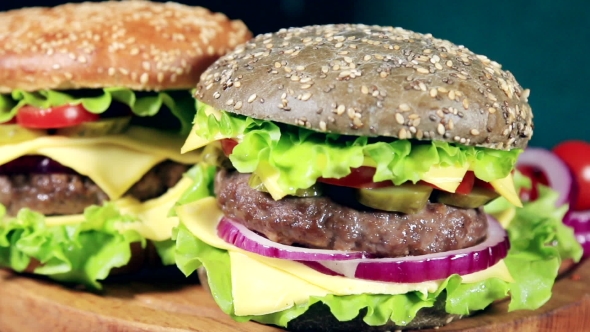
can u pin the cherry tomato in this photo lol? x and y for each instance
(537, 177)
(576, 155)
(54, 117)
(228, 145)
(360, 177)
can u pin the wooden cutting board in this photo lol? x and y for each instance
(30, 304)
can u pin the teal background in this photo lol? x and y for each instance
(545, 44)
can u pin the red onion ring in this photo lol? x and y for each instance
(556, 171)
(240, 236)
(428, 267)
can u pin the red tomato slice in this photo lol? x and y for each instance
(576, 155)
(466, 184)
(11, 121)
(228, 145)
(360, 177)
(537, 177)
(54, 117)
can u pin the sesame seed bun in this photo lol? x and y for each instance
(372, 81)
(136, 44)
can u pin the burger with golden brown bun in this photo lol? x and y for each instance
(94, 107)
(348, 194)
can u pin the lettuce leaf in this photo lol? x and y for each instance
(81, 253)
(533, 261)
(181, 105)
(265, 146)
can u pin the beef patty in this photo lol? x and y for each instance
(64, 194)
(322, 223)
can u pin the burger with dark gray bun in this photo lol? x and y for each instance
(348, 193)
(95, 104)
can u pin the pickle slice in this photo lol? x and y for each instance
(478, 197)
(406, 198)
(13, 133)
(96, 128)
(316, 190)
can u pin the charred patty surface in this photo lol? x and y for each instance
(64, 194)
(320, 222)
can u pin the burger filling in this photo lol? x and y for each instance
(334, 220)
(45, 186)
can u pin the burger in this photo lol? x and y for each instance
(353, 164)
(94, 106)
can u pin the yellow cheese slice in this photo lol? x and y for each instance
(505, 187)
(447, 178)
(256, 296)
(153, 222)
(113, 162)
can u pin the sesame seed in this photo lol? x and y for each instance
(229, 102)
(440, 129)
(216, 95)
(367, 57)
(238, 105)
(449, 63)
(403, 133)
(399, 118)
(404, 107)
(364, 89)
(383, 74)
(433, 92)
(144, 78)
(306, 96)
(452, 94)
(252, 98)
(340, 110)
(238, 84)
(305, 86)
(277, 64)
(474, 132)
(323, 126)
(422, 70)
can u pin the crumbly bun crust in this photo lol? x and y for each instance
(372, 81)
(136, 44)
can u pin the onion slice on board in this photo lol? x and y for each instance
(237, 234)
(422, 268)
(556, 171)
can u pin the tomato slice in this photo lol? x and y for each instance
(54, 117)
(576, 155)
(228, 145)
(11, 121)
(360, 177)
(466, 184)
(537, 177)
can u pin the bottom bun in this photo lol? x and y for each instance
(319, 318)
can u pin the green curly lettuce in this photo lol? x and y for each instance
(181, 104)
(81, 253)
(265, 146)
(533, 262)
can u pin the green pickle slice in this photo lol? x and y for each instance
(13, 133)
(316, 190)
(96, 128)
(478, 197)
(406, 198)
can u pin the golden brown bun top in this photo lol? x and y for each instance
(136, 44)
(372, 81)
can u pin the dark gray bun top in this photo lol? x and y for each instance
(372, 81)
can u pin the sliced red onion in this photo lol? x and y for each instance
(427, 267)
(578, 220)
(556, 171)
(243, 238)
(584, 240)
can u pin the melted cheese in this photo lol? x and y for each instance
(292, 282)
(153, 221)
(447, 178)
(113, 162)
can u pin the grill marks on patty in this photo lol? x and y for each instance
(65, 194)
(319, 222)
